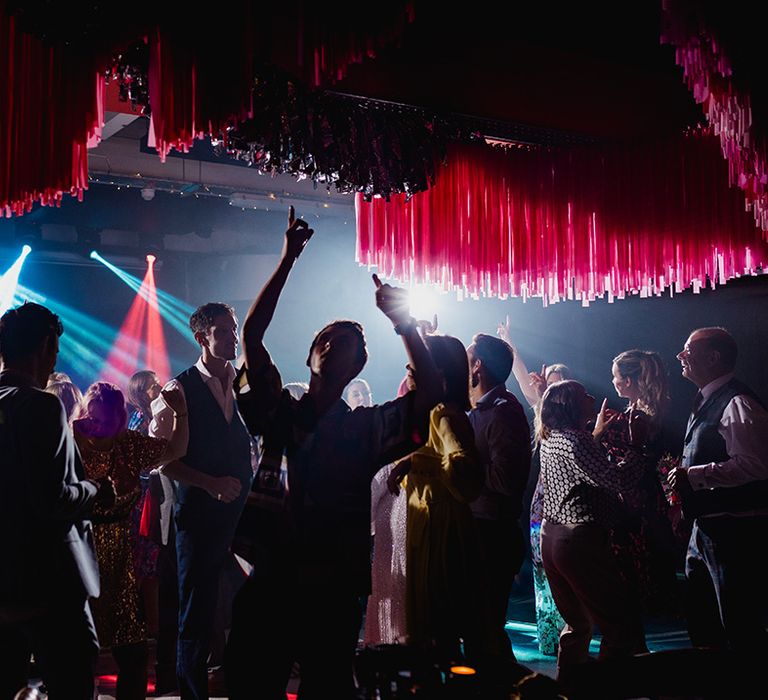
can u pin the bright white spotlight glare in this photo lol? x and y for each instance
(94, 255)
(26, 250)
(151, 258)
(423, 301)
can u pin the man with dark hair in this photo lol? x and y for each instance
(723, 483)
(303, 604)
(212, 482)
(48, 569)
(503, 441)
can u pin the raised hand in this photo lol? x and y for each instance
(427, 327)
(392, 301)
(604, 419)
(538, 381)
(297, 236)
(504, 333)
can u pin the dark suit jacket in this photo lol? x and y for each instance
(47, 553)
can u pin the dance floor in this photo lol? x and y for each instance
(661, 634)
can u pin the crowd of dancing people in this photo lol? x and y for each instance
(125, 508)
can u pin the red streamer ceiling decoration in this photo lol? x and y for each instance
(577, 223)
(200, 76)
(51, 106)
(200, 84)
(709, 75)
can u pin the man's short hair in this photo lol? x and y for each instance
(356, 328)
(204, 316)
(496, 355)
(24, 328)
(722, 342)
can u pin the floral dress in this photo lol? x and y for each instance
(642, 541)
(117, 611)
(549, 621)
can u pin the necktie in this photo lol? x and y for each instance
(697, 401)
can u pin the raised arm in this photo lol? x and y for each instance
(393, 303)
(519, 369)
(263, 308)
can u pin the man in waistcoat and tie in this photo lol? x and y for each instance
(212, 481)
(723, 484)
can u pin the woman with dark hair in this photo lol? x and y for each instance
(110, 451)
(143, 388)
(581, 488)
(443, 477)
(643, 538)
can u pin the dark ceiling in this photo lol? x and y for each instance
(596, 69)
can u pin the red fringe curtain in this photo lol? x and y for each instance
(200, 79)
(708, 73)
(198, 87)
(200, 83)
(580, 223)
(51, 105)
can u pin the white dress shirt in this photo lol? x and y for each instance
(744, 427)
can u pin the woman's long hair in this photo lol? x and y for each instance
(560, 408)
(68, 394)
(646, 369)
(450, 356)
(138, 386)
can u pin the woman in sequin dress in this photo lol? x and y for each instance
(385, 611)
(108, 449)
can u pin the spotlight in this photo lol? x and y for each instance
(26, 250)
(94, 255)
(151, 259)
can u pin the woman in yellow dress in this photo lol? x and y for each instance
(443, 477)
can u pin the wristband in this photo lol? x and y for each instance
(405, 326)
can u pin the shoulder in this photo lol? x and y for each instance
(507, 409)
(389, 410)
(746, 407)
(40, 404)
(506, 399)
(569, 441)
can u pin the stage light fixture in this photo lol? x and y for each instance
(151, 258)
